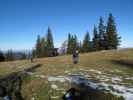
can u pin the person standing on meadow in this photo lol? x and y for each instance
(75, 57)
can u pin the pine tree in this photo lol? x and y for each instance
(44, 47)
(10, 55)
(69, 44)
(96, 45)
(23, 55)
(49, 38)
(50, 43)
(33, 53)
(112, 36)
(72, 43)
(75, 42)
(38, 47)
(101, 33)
(80, 46)
(86, 43)
(2, 57)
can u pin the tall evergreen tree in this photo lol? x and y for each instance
(86, 43)
(112, 36)
(49, 39)
(23, 55)
(44, 47)
(69, 44)
(80, 46)
(72, 43)
(33, 53)
(101, 33)
(75, 42)
(38, 47)
(96, 45)
(2, 57)
(10, 55)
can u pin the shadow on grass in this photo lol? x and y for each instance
(123, 63)
(10, 85)
(84, 89)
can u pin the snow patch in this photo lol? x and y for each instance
(96, 71)
(40, 76)
(54, 97)
(129, 78)
(53, 86)
(58, 78)
(116, 79)
(119, 90)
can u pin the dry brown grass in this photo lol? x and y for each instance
(62, 65)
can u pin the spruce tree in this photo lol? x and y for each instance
(96, 45)
(38, 47)
(50, 43)
(80, 46)
(33, 53)
(49, 39)
(72, 43)
(2, 57)
(44, 47)
(86, 43)
(10, 55)
(75, 42)
(23, 56)
(112, 36)
(69, 44)
(101, 33)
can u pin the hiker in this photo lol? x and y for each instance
(31, 59)
(75, 56)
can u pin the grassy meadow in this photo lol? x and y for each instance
(112, 69)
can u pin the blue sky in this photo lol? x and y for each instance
(22, 20)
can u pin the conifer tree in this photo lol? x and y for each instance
(10, 55)
(69, 44)
(23, 56)
(86, 43)
(101, 33)
(80, 46)
(112, 36)
(33, 53)
(49, 39)
(75, 42)
(72, 43)
(2, 57)
(44, 47)
(38, 47)
(96, 45)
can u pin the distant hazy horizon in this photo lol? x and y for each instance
(22, 20)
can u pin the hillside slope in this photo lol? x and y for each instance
(112, 70)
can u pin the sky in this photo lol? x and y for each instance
(22, 20)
